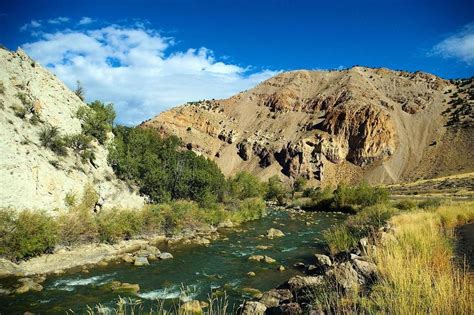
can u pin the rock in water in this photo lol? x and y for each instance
(322, 260)
(165, 255)
(274, 233)
(274, 297)
(141, 261)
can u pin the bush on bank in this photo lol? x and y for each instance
(30, 233)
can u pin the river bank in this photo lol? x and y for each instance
(221, 267)
(406, 266)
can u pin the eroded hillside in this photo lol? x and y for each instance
(33, 176)
(332, 126)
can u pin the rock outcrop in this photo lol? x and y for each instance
(333, 126)
(31, 175)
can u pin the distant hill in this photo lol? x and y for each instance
(380, 125)
(32, 175)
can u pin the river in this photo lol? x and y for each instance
(221, 266)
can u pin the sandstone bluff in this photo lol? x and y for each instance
(332, 126)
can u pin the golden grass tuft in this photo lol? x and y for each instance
(418, 272)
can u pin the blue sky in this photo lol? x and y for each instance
(146, 56)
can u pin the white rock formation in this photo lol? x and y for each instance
(32, 176)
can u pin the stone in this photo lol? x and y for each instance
(192, 307)
(263, 247)
(141, 261)
(165, 255)
(322, 260)
(7, 268)
(128, 258)
(226, 224)
(152, 257)
(124, 287)
(365, 268)
(268, 260)
(345, 276)
(299, 265)
(255, 293)
(253, 308)
(251, 274)
(299, 283)
(288, 309)
(274, 297)
(28, 284)
(256, 257)
(274, 233)
(281, 268)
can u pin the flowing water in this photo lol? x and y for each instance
(222, 266)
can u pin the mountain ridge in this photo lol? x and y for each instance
(381, 125)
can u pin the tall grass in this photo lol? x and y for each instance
(417, 271)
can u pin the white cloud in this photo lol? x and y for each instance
(85, 20)
(58, 20)
(459, 45)
(31, 24)
(134, 68)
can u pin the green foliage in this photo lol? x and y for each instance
(429, 204)
(50, 138)
(81, 144)
(245, 185)
(162, 171)
(70, 199)
(405, 204)
(275, 189)
(115, 225)
(79, 91)
(97, 119)
(299, 184)
(26, 102)
(31, 233)
(2, 88)
(361, 195)
(343, 237)
(339, 238)
(321, 198)
(19, 111)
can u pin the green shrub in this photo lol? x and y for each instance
(249, 209)
(245, 185)
(70, 199)
(31, 234)
(339, 238)
(81, 144)
(2, 88)
(77, 226)
(19, 111)
(406, 204)
(430, 204)
(115, 225)
(275, 189)
(79, 91)
(50, 138)
(358, 196)
(96, 119)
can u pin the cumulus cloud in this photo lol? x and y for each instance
(459, 45)
(85, 20)
(139, 70)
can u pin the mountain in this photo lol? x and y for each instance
(33, 176)
(380, 125)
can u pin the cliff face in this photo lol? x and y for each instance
(31, 175)
(332, 126)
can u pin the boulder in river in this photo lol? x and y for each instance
(128, 258)
(268, 260)
(256, 257)
(274, 233)
(124, 287)
(28, 284)
(255, 293)
(226, 224)
(253, 308)
(251, 274)
(165, 255)
(141, 261)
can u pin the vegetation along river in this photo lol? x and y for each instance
(221, 266)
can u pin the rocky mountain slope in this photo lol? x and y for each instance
(31, 175)
(333, 126)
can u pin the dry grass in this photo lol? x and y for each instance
(418, 273)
